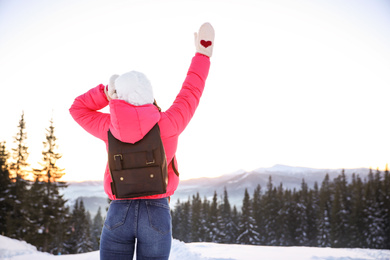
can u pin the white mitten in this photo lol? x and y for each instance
(110, 91)
(204, 40)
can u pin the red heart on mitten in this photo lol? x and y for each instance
(205, 43)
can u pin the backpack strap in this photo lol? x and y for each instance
(174, 166)
(118, 161)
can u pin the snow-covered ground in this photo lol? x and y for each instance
(17, 250)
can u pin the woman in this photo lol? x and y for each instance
(142, 221)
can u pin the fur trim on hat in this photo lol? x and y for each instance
(134, 88)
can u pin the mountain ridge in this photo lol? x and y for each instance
(235, 183)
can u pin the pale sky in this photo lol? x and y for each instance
(302, 83)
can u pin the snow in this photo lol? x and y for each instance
(221, 251)
(244, 175)
(18, 250)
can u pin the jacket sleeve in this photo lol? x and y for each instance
(186, 102)
(84, 111)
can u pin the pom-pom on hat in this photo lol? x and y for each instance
(134, 88)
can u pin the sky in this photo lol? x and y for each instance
(301, 83)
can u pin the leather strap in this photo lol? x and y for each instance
(118, 162)
(174, 167)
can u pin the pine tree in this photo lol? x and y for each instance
(205, 220)
(230, 228)
(17, 219)
(270, 206)
(196, 220)
(176, 215)
(341, 212)
(96, 230)
(283, 208)
(292, 218)
(374, 233)
(80, 239)
(181, 221)
(50, 172)
(48, 194)
(386, 206)
(5, 185)
(302, 203)
(258, 212)
(324, 214)
(357, 213)
(312, 214)
(185, 225)
(215, 232)
(247, 227)
(36, 231)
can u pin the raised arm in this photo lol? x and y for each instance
(186, 102)
(84, 111)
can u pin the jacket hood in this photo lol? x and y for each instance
(131, 123)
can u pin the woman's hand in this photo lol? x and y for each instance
(204, 40)
(109, 90)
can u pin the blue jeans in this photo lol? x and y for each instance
(145, 223)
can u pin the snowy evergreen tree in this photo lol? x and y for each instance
(312, 214)
(230, 228)
(181, 221)
(341, 212)
(176, 215)
(324, 214)
(386, 206)
(258, 213)
(205, 223)
(374, 221)
(17, 219)
(357, 223)
(289, 226)
(270, 206)
(301, 207)
(196, 219)
(214, 229)
(36, 232)
(247, 227)
(96, 230)
(47, 199)
(79, 240)
(5, 185)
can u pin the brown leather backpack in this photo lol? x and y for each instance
(138, 169)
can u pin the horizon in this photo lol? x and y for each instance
(242, 171)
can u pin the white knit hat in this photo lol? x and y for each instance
(134, 88)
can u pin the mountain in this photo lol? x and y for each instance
(235, 183)
(91, 192)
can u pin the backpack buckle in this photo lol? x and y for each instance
(147, 163)
(150, 158)
(118, 155)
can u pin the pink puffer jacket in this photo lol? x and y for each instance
(130, 123)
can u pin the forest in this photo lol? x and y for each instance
(33, 210)
(339, 213)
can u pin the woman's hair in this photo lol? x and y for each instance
(155, 103)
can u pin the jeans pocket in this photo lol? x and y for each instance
(116, 215)
(159, 216)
